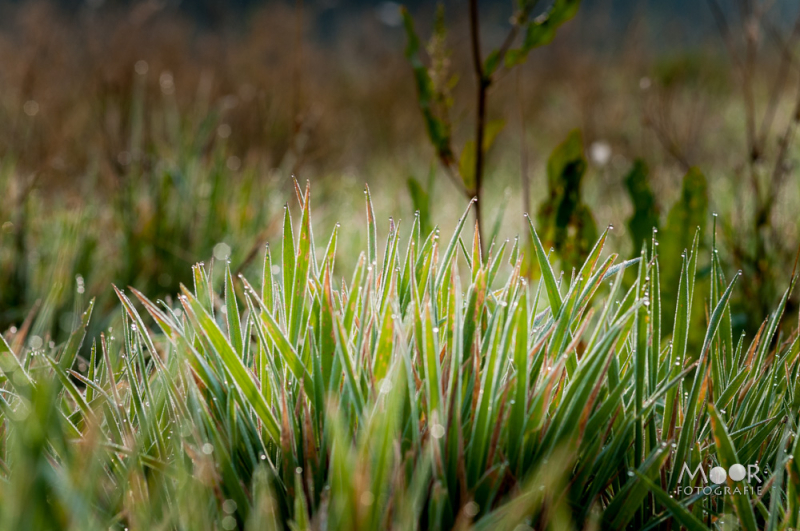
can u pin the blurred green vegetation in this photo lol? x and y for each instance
(134, 143)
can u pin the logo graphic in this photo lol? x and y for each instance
(738, 479)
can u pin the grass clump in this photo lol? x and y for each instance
(437, 389)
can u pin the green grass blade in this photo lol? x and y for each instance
(233, 364)
(726, 453)
(550, 284)
(232, 314)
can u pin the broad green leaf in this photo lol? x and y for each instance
(542, 30)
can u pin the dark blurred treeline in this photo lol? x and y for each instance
(666, 24)
(690, 18)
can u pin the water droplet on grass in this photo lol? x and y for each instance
(437, 431)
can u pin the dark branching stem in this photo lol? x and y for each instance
(480, 120)
(765, 191)
(483, 80)
(523, 151)
(787, 59)
(745, 70)
(781, 167)
(518, 20)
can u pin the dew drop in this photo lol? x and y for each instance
(437, 431)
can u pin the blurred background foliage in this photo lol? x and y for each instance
(139, 137)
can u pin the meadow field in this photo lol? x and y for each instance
(255, 272)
